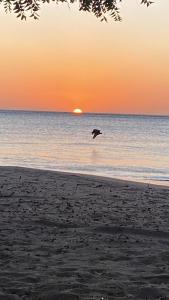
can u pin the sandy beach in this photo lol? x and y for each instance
(68, 237)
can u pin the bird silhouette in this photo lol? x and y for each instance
(96, 132)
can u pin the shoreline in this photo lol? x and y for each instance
(68, 236)
(93, 177)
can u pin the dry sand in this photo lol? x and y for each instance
(69, 237)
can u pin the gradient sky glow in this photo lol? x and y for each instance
(69, 59)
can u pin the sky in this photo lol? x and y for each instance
(70, 59)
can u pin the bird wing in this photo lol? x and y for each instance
(95, 134)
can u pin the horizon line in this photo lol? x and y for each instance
(83, 113)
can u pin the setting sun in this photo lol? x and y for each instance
(77, 111)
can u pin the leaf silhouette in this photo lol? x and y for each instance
(100, 8)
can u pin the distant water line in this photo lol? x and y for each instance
(131, 147)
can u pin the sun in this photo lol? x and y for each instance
(77, 111)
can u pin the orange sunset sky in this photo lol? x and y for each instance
(70, 59)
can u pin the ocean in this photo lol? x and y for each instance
(132, 147)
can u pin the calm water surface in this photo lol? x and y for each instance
(131, 147)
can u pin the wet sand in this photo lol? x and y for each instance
(68, 237)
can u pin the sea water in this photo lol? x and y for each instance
(132, 147)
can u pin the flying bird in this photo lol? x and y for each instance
(96, 132)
